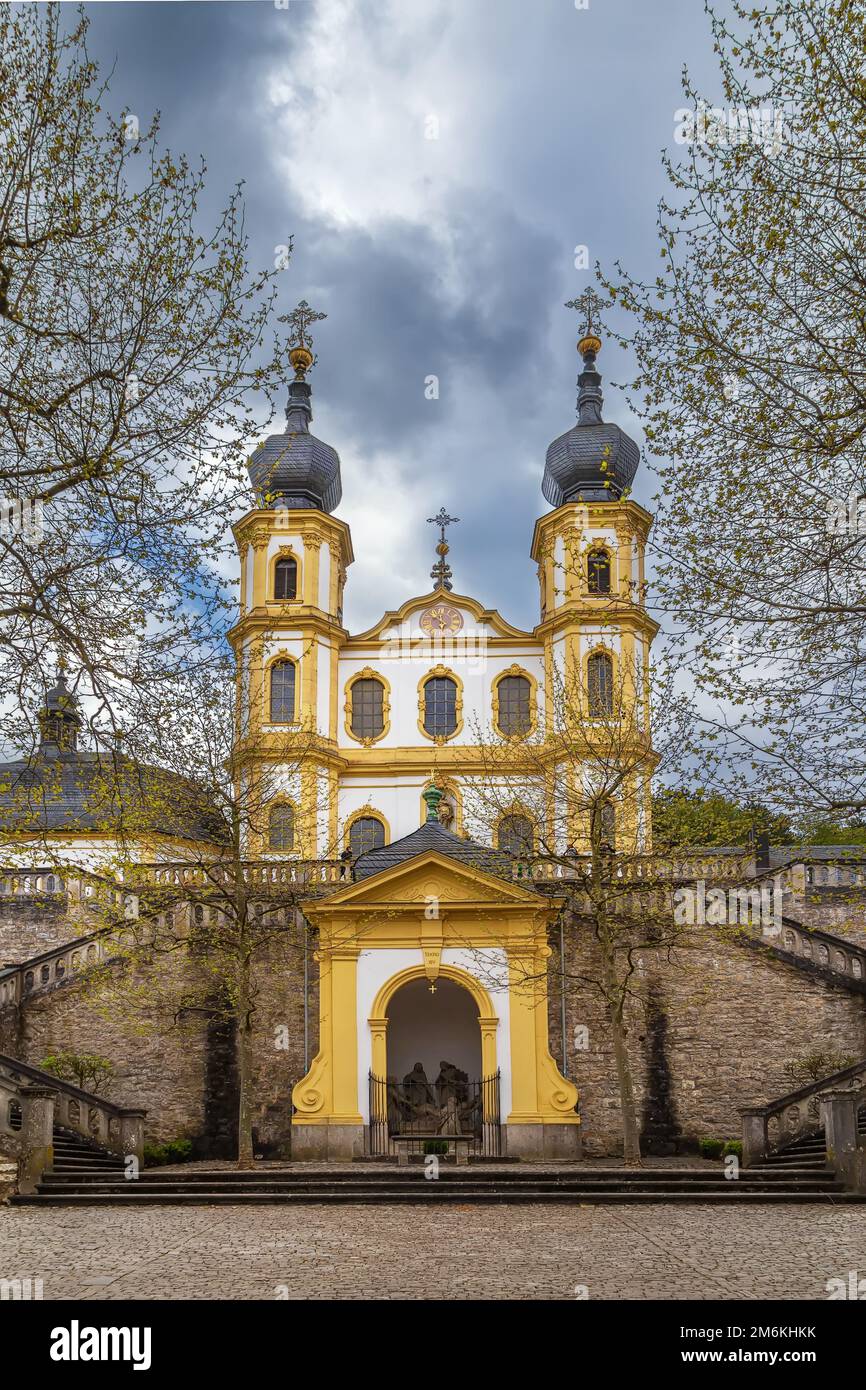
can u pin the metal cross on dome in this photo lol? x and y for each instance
(590, 305)
(300, 319)
(441, 571)
(442, 520)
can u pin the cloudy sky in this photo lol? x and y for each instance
(448, 256)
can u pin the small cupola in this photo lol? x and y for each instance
(59, 720)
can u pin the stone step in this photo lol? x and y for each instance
(130, 1191)
(748, 1177)
(433, 1193)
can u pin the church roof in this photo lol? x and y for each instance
(62, 788)
(594, 461)
(433, 836)
(295, 469)
(76, 791)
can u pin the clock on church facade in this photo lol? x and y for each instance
(441, 618)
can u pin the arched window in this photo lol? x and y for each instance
(600, 682)
(514, 835)
(281, 826)
(440, 706)
(368, 708)
(513, 697)
(286, 578)
(598, 571)
(283, 692)
(366, 833)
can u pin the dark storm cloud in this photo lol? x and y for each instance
(459, 259)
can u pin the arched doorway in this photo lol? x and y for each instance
(432, 1025)
(434, 1073)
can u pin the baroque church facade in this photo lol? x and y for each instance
(445, 986)
(393, 717)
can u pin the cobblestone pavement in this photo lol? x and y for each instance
(474, 1252)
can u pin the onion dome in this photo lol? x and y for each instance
(593, 461)
(295, 469)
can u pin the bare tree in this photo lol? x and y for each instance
(751, 384)
(570, 801)
(135, 354)
(205, 874)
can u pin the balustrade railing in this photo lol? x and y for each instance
(768, 1128)
(824, 951)
(646, 869)
(113, 1127)
(54, 967)
(265, 873)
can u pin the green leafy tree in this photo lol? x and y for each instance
(86, 1069)
(751, 385)
(682, 817)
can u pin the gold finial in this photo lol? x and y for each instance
(441, 571)
(301, 356)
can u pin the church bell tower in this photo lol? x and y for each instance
(294, 555)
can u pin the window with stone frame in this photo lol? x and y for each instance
(598, 572)
(283, 692)
(368, 708)
(366, 833)
(281, 826)
(608, 824)
(600, 683)
(286, 578)
(514, 836)
(514, 705)
(440, 706)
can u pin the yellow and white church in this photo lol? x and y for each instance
(433, 1012)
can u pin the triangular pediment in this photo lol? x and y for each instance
(431, 874)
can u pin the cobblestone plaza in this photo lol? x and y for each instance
(405, 1252)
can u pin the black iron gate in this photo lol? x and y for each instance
(416, 1110)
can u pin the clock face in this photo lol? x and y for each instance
(441, 618)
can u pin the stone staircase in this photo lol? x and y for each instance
(807, 1152)
(477, 1184)
(74, 1155)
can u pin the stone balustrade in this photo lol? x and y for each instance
(648, 869)
(845, 1139)
(75, 885)
(768, 1128)
(266, 873)
(840, 874)
(54, 967)
(824, 951)
(32, 1102)
(32, 882)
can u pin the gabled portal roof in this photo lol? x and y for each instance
(433, 836)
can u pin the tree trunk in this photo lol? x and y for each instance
(616, 999)
(245, 1067)
(630, 1135)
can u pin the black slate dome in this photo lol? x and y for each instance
(295, 469)
(593, 461)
